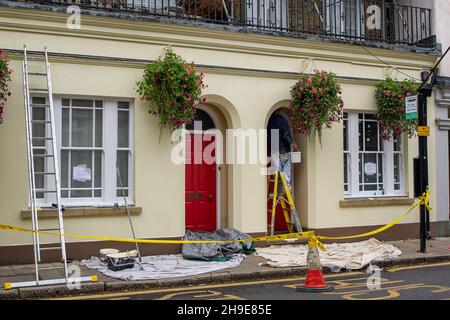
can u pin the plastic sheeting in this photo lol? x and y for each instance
(349, 256)
(216, 251)
(162, 267)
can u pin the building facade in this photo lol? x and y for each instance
(251, 53)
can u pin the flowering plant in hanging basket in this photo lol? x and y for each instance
(5, 77)
(316, 103)
(390, 97)
(173, 88)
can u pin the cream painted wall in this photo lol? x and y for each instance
(245, 97)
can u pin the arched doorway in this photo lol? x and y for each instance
(201, 174)
(277, 120)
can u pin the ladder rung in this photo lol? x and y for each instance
(42, 138)
(37, 74)
(43, 155)
(45, 191)
(44, 173)
(36, 58)
(38, 90)
(50, 229)
(51, 268)
(50, 248)
(41, 121)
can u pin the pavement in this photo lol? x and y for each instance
(250, 269)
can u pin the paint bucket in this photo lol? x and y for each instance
(121, 261)
(296, 157)
(104, 255)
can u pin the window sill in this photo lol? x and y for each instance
(375, 202)
(76, 212)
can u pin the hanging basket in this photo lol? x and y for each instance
(390, 97)
(5, 77)
(316, 103)
(173, 89)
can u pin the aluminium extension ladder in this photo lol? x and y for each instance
(281, 194)
(50, 173)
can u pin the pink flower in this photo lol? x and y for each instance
(309, 79)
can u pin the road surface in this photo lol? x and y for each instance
(424, 282)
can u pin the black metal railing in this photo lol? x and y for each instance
(359, 20)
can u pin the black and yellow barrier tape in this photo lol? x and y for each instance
(314, 240)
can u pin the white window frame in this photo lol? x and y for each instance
(335, 17)
(387, 159)
(110, 183)
(260, 13)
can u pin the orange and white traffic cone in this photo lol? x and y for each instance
(315, 281)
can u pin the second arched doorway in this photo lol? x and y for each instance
(279, 120)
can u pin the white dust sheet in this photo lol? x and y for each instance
(161, 267)
(349, 256)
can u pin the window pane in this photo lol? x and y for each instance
(346, 163)
(370, 187)
(39, 166)
(361, 168)
(123, 129)
(380, 171)
(65, 127)
(82, 128)
(361, 135)
(66, 102)
(82, 103)
(82, 159)
(124, 105)
(38, 100)
(397, 143)
(64, 169)
(370, 168)
(98, 128)
(39, 128)
(371, 136)
(396, 168)
(98, 169)
(81, 194)
(122, 163)
(98, 103)
(345, 133)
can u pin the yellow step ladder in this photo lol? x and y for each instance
(282, 194)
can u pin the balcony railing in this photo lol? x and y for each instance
(358, 20)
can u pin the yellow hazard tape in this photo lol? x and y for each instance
(77, 236)
(315, 242)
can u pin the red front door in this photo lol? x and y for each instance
(200, 201)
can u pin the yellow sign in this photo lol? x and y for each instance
(424, 131)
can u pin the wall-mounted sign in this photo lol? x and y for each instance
(423, 131)
(81, 173)
(370, 169)
(411, 107)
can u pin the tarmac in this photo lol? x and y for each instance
(438, 251)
